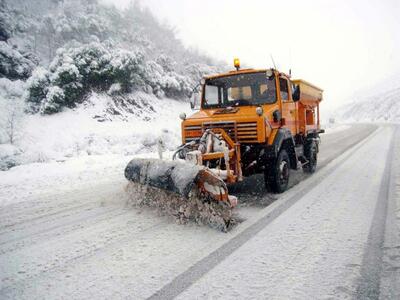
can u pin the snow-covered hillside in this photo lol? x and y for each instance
(379, 104)
(125, 125)
(79, 77)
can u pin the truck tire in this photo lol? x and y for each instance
(268, 175)
(311, 154)
(277, 173)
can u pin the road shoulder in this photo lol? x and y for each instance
(390, 276)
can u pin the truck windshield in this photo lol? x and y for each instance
(236, 90)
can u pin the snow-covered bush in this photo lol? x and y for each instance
(86, 63)
(114, 89)
(167, 83)
(176, 86)
(54, 101)
(37, 86)
(13, 63)
(8, 156)
(196, 71)
(127, 69)
(78, 70)
(4, 33)
(167, 63)
(12, 89)
(5, 30)
(154, 76)
(67, 87)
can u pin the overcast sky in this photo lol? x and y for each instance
(341, 46)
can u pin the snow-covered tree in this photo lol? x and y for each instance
(37, 87)
(128, 69)
(13, 114)
(48, 31)
(79, 70)
(15, 64)
(12, 108)
(5, 30)
(87, 46)
(54, 101)
(166, 62)
(47, 25)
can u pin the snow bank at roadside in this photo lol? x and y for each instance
(103, 125)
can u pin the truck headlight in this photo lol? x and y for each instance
(259, 111)
(182, 116)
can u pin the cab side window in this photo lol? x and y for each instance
(284, 89)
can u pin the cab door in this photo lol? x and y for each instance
(288, 106)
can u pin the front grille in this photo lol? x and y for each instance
(243, 132)
(229, 127)
(247, 132)
(192, 132)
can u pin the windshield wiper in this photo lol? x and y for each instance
(241, 102)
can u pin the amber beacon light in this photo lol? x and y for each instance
(236, 63)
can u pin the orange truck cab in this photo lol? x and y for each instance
(268, 122)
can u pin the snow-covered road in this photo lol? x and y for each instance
(66, 232)
(319, 248)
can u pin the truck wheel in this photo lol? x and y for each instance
(268, 175)
(277, 174)
(311, 156)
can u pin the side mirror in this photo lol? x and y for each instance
(195, 101)
(270, 74)
(277, 116)
(296, 93)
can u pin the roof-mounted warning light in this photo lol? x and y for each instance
(236, 63)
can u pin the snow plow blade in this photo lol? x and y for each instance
(181, 189)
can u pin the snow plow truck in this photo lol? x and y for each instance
(249, 121)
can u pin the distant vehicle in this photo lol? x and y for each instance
(249, 121)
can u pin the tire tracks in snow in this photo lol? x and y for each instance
(110, 243)
(113, 236)
(70, 218)
(371, 268)
(328, 147)
(40, 208)
(390, 273)
(54, 217)
(67, 226)
(200, 268)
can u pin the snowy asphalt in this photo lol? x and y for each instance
(316, 249)
(71, 235)
(194, 273)
(371, 268)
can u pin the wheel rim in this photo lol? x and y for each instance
(283, 172)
